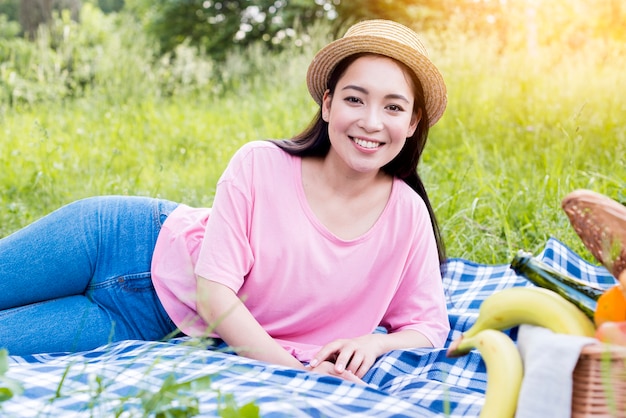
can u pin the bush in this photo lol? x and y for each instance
(9, 8)
(8, 28)
(106, 55)
(59, 64)
(109, 57)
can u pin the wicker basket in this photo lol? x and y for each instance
(599, 388)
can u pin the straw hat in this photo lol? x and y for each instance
(387, 38)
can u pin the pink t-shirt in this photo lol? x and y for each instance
(304, 285)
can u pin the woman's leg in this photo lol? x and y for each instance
(80, 277)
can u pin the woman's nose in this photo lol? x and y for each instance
(371, 121)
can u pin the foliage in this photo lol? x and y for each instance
(176, 396)
(219, 29)
(59, 64)
(110, 6)
(8, 29)
(218, 26)
(110, 57)
(569, 20)
(230, 409)
(173, 399)
(419, 14)
(107, 55)
(8, 387)
(9, 8)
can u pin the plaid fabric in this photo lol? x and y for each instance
(136, 378)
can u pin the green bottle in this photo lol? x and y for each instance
(581, 294)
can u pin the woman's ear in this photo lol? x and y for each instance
(326, 100)
(415, 120)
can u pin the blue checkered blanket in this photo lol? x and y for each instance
(137, 378)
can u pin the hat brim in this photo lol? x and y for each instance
(328, 57)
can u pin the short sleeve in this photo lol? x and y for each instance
(225, 255)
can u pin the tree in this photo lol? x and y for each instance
(109, 6)
(413, 13)
(219, 25)
(73, 6)
(34, 13)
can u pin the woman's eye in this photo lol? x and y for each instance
(395, 108)
(352, 99)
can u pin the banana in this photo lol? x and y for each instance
(506, 309)
(529, 305)
(504, 371)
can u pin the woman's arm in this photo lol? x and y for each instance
(220, 307)
(357, 355)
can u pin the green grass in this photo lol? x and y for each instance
(520, 132)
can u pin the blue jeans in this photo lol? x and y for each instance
(80, 277)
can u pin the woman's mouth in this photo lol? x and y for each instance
(364, 143)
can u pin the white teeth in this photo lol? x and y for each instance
(366, 144)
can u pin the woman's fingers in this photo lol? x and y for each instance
(328, 368)
(366, 364)
(348, 355)
(327, 352)
(356, 362)
(344, 358)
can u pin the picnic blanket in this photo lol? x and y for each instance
(184, 377)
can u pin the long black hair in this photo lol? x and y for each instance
(315, 142)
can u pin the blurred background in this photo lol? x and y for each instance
(72, 32)
(153, 97)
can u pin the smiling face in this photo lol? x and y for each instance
(370, 114)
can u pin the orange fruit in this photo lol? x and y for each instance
(611, 306)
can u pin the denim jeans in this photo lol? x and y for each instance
(80, 277)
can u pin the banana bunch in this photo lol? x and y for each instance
(503, 310)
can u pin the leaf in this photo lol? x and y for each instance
(9, 388)
(4, 361)
(5, 394)
(187, 405)
(250, 410)
(231, 410)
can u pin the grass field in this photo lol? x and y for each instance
(520, 132)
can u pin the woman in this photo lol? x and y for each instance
(311, 243)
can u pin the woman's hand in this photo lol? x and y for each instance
(328, 368)
(355, 356)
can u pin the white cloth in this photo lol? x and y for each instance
(549, 361)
